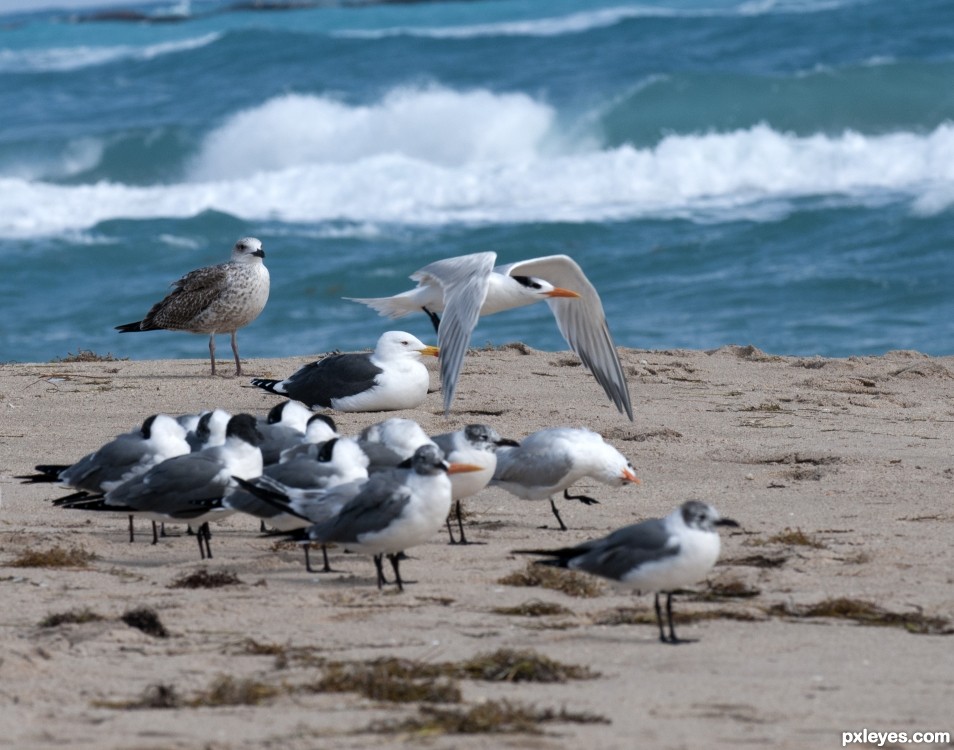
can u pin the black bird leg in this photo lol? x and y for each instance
(132, 534)
(662, 631)
(397, 573)
(324, 553)
(585, 499)
(460, 526)
(672, 639)
(204, 534)
(155, 533)
(557, 514)
(379, 565)
(435, 319)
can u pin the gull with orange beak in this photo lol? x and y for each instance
(468, 286)
(551, 460)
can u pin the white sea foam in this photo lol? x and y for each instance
(63, 59)
(583, 21)
(433, 125)
(431, 156)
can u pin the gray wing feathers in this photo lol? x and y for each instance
(582, 322)
(625, 550)
(381, 500)
(464, 280)
(173, 484)
(530, 469)
(111, 463)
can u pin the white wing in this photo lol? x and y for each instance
(581, 321)
(464, 280)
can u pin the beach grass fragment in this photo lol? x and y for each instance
(86, 355)
(392, 680)
(521, 665)
(71, 617)
(55, 557)
(533, 608)
(866, 613)
(203, 579)
(487, 717)
(569, 582)
(146, 620)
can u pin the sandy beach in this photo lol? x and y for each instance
(830, 611)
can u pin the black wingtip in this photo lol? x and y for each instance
(130, 327)
(267, 384)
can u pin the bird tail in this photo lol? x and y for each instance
(81, 496)
(270, 385)
(389, 307)
(559, 558)
(270, 494)
(96, 502)
(130, 327)
(45, 473)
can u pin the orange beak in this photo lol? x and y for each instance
(463, 468)
(431, 350)
(628, 476)
(560, 292)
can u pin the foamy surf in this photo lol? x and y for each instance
(490, 158)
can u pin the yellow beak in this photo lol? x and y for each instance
(431, 350)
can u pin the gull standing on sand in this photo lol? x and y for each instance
(299, 485)
(126, 456)
(476, 444)
(551, 460)
(659, 555)
(190, 487)
(469, 286)
(393, 511)
(214, 299)
(390, 378)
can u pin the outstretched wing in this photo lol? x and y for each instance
(464, 280)
(581, 321)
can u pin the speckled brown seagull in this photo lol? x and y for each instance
(214, 299)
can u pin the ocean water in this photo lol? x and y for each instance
(769, 172)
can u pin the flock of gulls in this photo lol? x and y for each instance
(392, 486)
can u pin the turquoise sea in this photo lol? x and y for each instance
(769, 172)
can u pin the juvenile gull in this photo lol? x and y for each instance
(476, 444)
(659, 555)
(214, 299)
(468, 286)
(390, 378)
(551, 460)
